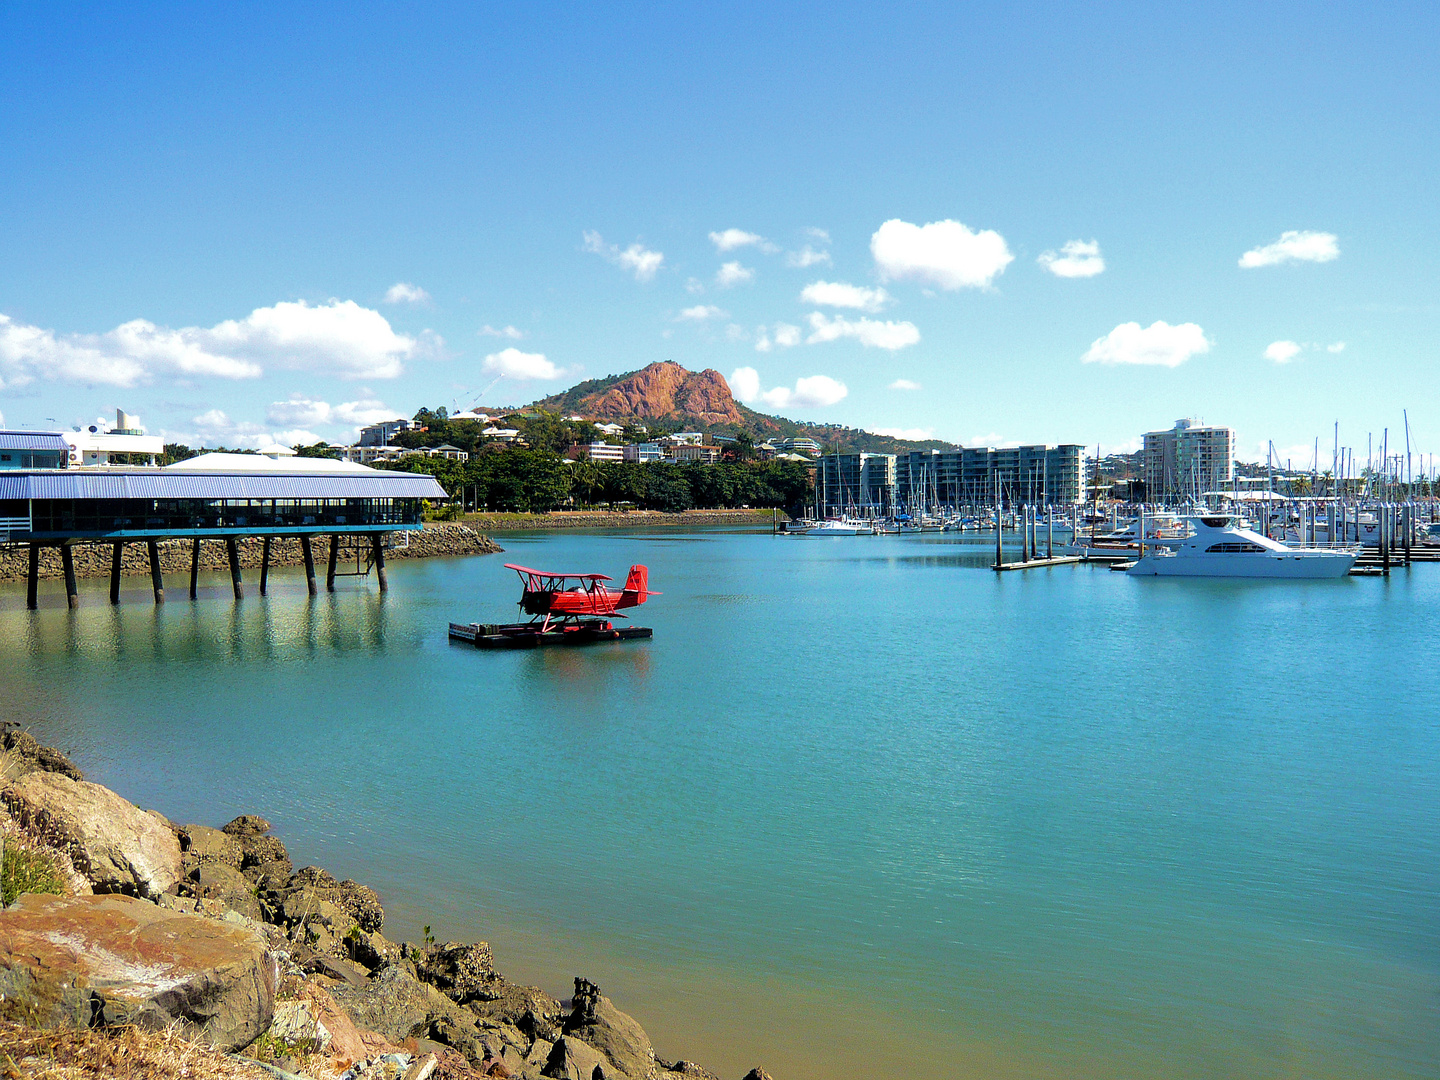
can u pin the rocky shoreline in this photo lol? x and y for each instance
(93, 560)
(126, 920)
(620, 519)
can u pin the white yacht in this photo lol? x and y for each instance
(841, 527)
(1219, 546)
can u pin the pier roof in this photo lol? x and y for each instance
(138, 483)
(33, 440)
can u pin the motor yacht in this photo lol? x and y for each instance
(1220, 546)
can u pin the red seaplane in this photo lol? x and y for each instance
(564, 609)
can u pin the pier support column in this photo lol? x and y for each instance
(116, 553)
(195, 569)
(72, 590)
(264, 564)
(156, 581)
(377, 546)
(309, 564)
(232, 548)
(32, 579)
(334, 556)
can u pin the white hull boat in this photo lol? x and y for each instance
(1218, 547)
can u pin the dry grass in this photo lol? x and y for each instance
(112, 1054)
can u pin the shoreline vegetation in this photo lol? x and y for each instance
(491, 521)
(146, 937)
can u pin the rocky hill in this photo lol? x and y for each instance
(667, 395)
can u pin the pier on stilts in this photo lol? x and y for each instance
(361, 512)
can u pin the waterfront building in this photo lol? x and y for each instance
(855, 483)
(707, 455)
(601, 451)
(1186, 460)
(124, 444)
(380, 434)
(1035, 474)
(33, 450)
(642, 452)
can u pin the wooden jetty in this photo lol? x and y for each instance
(1035, 564)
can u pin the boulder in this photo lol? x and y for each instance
(34, 756)
(757, 1074)
(247, 825)
(311, 884)
(115, 845)
(572, 1059)
(296, 1024)
(75, 961)
(348, 1043)
(398, 1006)
(463, 973)
(692, 1071)
(618, 1037)
(207, 845)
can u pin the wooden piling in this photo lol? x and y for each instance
(377, 545)
(232, 548)
(309, 564)
(264, 564)
(116, 552)
(156, 581)
(72, 590)
(32, 579)
(195, 569)
(334, 557)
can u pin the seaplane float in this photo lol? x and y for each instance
(564, 609)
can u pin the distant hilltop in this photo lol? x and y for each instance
(668, 395)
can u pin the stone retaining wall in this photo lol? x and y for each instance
(93, 560)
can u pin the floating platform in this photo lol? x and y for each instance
(1033, 564)
(530, 635)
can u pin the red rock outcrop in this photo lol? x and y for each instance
(666, 390)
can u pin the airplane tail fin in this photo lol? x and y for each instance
(637, 587)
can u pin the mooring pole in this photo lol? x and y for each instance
(195, 569)
(72, 591)
(334, 555)
(156, 581)
(1049, 532)
(115, 558)
(232, 548)
(999, 543)
(264, 564)
(309, 564)
(32, 579)
(377, 545)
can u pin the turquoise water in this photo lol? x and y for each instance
(861, 805)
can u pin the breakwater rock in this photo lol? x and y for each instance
(93, 559)
(211, 933)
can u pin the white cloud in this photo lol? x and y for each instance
(730, 239)
(871, 333)
(903, 384)
(694, 286)
(310, 412)
(994, 438)
(1159, 343)
(736, 332)
(1338, 347)
(818, 234)
(505, 331)
(732, 273)
(1077, 259)
(1294, 246)
(338, 338)
(811, 392)
(839, 294)
(943, 253)
(784, 335)
(807, 256)
(402, 292)
(1282, 352)
(215, 428)
(515, 364)
(700, 313)
(745, 383)
(914, 434)
(636, 258)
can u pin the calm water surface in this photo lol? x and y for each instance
(862, 806)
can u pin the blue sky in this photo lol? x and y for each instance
(205, 209)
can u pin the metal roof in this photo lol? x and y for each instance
(132, 483)
(34, 440)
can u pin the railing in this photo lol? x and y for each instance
(10, 525)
